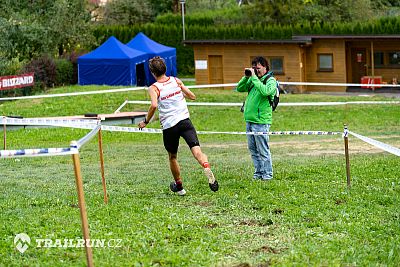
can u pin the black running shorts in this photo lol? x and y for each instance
(183, 128)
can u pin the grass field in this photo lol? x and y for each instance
(305, 216)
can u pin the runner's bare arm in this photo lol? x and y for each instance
(186, 92)
(153, 92)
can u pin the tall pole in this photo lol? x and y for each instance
(183, 18)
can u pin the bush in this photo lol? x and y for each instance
(65, 71)
(10, 67)
(73, 59)
(45, 72)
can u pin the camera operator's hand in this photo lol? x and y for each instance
(249, 72)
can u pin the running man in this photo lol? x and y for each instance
(168, 95)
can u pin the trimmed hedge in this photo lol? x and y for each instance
(204, 28)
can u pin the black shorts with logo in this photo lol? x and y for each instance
(172, 135)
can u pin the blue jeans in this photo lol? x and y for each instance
(259, 150)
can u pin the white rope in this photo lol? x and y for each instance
(74, 94)
(388, 148)
(194, 87)
(280, 104)
(342, 84)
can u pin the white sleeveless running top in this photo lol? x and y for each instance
(172, 106)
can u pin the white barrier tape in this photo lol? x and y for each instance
(43, 121)
(339, 103)
(152, 130)
(391, 149)
(38, 152)
(280, 104)
(194, 87)
(74, 94)
(342, 84)
(211, 85)
(302, 83)
(274, 133)
(345, 132)
(129, 129)
(88, 137)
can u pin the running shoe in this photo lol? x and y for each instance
(211, 179)
(174, 188)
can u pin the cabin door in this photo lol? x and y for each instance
(215, 70)
(358, 63)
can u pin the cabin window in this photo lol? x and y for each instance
(378, 58)
(325, 62)
(276, 64)
(394, 58)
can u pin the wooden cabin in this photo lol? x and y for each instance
(311, 58)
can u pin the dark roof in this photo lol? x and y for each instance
(249, 41)
(344, 36)
(297, 39)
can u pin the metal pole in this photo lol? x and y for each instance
(346, 152)
(82, 208)
(4, 136)
(103, 179)
(183, 18)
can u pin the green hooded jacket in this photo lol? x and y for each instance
(257, 108)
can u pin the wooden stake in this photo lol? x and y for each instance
(103, 179)
(82, 208)
(346, 152)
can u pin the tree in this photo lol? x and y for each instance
(314, 11)
(127, 12)
(31, 28)
(72, 25)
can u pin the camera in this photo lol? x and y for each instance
(247, 72)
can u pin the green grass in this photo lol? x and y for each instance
(305, 216)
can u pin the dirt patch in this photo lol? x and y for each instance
(268, 249)
(203, 204)
(319, 147)
(256, 222)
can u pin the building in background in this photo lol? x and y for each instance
(308, 58)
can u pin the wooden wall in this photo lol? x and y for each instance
(338, 75)
(300, 62)
(236, 58)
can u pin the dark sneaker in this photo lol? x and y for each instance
(174, 188)
(211, 179)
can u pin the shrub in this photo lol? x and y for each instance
(10, 67)
(45, 72)
(65, 71)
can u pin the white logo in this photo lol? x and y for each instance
(21, 241)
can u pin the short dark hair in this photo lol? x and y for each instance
(157, 66)
(263, 62)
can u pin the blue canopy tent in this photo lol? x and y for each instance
(112, 63)
(152, 48)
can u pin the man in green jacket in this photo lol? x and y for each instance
(258, 114)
